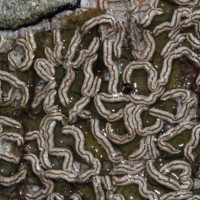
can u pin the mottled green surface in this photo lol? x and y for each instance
(181, 76)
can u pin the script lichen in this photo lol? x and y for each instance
(105, 107)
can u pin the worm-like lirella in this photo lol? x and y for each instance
(98, 188)
(74, 42)
(156, 89)
(6, 152)
(113, 155)
(10, 96)
(194, 197)
(70, 65)
(10, 137)
(91, 85)
(103, 111)
(184, 176)
(47, 183)
(172, 44)
(56, 196)
(141, 182)
(78, 108)
(191, 21)
(171, 133)
(195, 42)
(110, 189)
(159, 175)
(46, 146)
(150, 15)
(140, 153)
(86, 155)
(74, 196)
(175, 22)
(112, 67)
(14, 179)
(168, 62)
(46, 71)
(128, 123)
(44, 137)
(119, 39)
(7, 121)
(49, 102)
(186, 108)
(102, 19)
(162, 179)
(147, 145)
(152, 79)
(147, 100)
(79, 142)
(187, 2)
(18, 84)
(61, 174)
(192, 144)
(85, 53)
(55, 56)
(131, 169)
(183, 17)
(137, 122)
(182, 194)
(106, 69)
(149, 10)
(65, 86)
(29, 46)
(151, 146)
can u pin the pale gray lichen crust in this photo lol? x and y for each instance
(15, 13)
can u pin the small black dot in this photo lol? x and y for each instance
(127, 88)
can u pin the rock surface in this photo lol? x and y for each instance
(15, 13)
